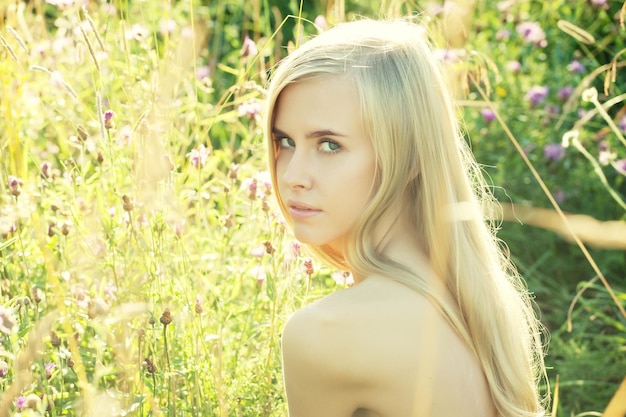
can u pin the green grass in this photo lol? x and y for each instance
(137, 278)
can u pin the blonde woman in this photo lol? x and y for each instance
(374, 177)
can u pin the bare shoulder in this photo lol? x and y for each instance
(382, 347)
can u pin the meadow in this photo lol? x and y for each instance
(144, 267)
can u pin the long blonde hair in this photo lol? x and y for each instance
(409, 116)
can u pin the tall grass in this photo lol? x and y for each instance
(145, 269)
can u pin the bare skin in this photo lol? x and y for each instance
(405, 361)
(378, 348)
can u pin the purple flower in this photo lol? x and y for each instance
(537, 94)
(599, 3)
(249, 49)
(576, 67)
(514, 66)
(14, 185)
(622, 123)
(198, 157)
(20, 403)
(620, 166)
(554, 152)
(203, 72)
(565, 93)
(532, 33)
(250, 109)
(4, 368)
(450, 55)
(108, 119)
(488, 115)
(49, 368)
(503, 34)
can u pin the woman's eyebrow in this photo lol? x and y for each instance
(311, 135)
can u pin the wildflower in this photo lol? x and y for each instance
(108, 119)
(565, 93)
(150, 366)
(233, 171)
(166, 317)
(342, 278)
(14, 185)
(620, 166)
(308, 266)
(621, 123)
(514, 66)
(128, 204)
(450, 56)
(65, 228)
(249, 48)
(258, 272)
(258, 251)
(503, 34)
(198, 157)
(203, 72)
(605, 157)
(250, 109)
(554, 152)
(321, 23)
(532, 33)
(488, 115)
(137, 32)
(252, 186)
(269, 249)
(167, 26)
(46, 170)
(198, 306)
(55, 340)
(20, 403)
(82, 133)
(7, 320)
(599, 3)
(124, 135)
(576, 67)
(537, 94)
(4, 368)
(49, 368)
(295, 248)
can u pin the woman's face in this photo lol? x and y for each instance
(325, 163)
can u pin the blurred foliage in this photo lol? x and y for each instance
(144, 269)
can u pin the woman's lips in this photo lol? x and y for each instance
(301, 211)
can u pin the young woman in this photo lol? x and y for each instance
(372, 174)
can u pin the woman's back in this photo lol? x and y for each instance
(380, 349)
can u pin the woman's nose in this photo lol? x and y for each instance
(296, 171)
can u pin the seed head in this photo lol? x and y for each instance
(150, 366)
(55, 340)
(269, 249)
(128, 203)
(166, 317)
(308, 266)
(82, 133)
(14, 185)
(198, 307)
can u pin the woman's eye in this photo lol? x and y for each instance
(330, 146)
(285, 142)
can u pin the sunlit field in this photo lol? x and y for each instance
(145, 269)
